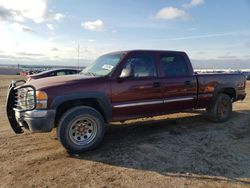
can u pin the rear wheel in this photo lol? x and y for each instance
(221, 109)
(81, 129)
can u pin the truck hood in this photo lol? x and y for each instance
(58, 80)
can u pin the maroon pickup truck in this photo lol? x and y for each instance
(117, 87)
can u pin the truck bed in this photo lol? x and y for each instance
(208, 84)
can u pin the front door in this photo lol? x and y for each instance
(138, 94)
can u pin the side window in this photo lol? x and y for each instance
(173, 65)
(60, 73)
(142, 66)
(72, 72)
(68, 72)
(52, 74)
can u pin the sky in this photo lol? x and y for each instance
(214, 33)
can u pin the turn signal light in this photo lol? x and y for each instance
(41, 95)
(41, 100)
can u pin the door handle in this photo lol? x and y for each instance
(188, 83)
(156, 84)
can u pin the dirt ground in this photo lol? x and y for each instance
(179, 150)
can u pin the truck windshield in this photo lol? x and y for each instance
(103, 65)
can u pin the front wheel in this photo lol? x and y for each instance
(220, 109)
(81, 129)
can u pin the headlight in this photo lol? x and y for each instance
(25, 98)
(41, 100)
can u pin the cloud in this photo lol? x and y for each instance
(227, 57)
(170, 13)
(192, 29)
(91, 40)
(30, 54)
(22, 58)
(34, 10)
(10, 15)
(211, 35)
(248, 44)
(2, 56)
(54, 49)
(28, 29)
(50, 27)
(58, 17)
(87, 40)
(97, 25)
(194, 3)
(4, 13)
(21, 28)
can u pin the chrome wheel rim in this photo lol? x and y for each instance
(82, 131)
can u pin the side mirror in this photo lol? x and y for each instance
(127, 73)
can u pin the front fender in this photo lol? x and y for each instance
(101, 98)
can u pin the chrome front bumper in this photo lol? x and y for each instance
(36, 120)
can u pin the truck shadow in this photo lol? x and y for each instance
(188, 147)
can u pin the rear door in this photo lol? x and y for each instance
(179, 85)
(139, 95)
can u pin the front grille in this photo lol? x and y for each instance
(25, 98)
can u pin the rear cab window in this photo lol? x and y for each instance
(173, 65)
(60, 73)
(69, 72)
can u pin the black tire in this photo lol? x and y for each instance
(76, 123)
(220, 109)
